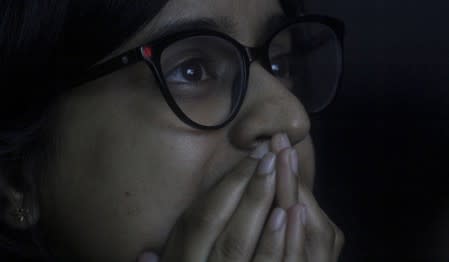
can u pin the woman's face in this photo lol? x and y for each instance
(125, 167)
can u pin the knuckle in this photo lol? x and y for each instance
(339, 238)
(327, 232)
(256, 193)
(239, 179)
(295, 255)
(268, 250)
(245, 168)
(290, 256)
(331, 236)
(197, 221)
(266, 254)
(231, 248)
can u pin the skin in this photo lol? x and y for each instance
(124, 168)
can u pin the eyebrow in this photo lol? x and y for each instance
(223, 24)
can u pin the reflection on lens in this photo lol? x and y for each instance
(306, 57)
(202, 74)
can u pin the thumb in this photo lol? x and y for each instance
(148, 257)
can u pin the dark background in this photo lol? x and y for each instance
(383, 146)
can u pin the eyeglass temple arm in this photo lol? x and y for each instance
(111, 65)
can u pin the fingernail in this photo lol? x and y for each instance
(148, 257)
(294, 161)
(281, 141)
(266, 166)
(260, 151)
(277, 219)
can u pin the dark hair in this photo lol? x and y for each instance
(44, 45)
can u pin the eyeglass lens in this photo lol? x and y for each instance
(204, 74)
(306, 57)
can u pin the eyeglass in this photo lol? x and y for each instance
(203, 75)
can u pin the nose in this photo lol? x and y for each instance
(269, 108)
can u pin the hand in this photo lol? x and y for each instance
(311, 235)
(227, 223)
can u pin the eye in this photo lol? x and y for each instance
(280, 65)
(190, 71)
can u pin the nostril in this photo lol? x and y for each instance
(260, 139)
(263, 138)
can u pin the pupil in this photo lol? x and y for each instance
(192, 72)
(280, 67)
(275, 68)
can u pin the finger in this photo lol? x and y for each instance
(239, 239)
(148, 257)
(286, 184)
(286, 190)
(198, 227)
(271, 245)
(296, 235)
(320, 231)
(339, 241)
(279, 142)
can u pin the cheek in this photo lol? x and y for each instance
(121, 190)
(152, 189)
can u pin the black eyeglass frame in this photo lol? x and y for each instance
(151, 53)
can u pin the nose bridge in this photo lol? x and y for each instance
(251, 53)
(277, 95)
(258, 54)
(269, 108)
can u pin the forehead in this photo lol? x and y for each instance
(247, 17)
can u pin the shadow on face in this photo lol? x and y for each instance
(125, 167)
